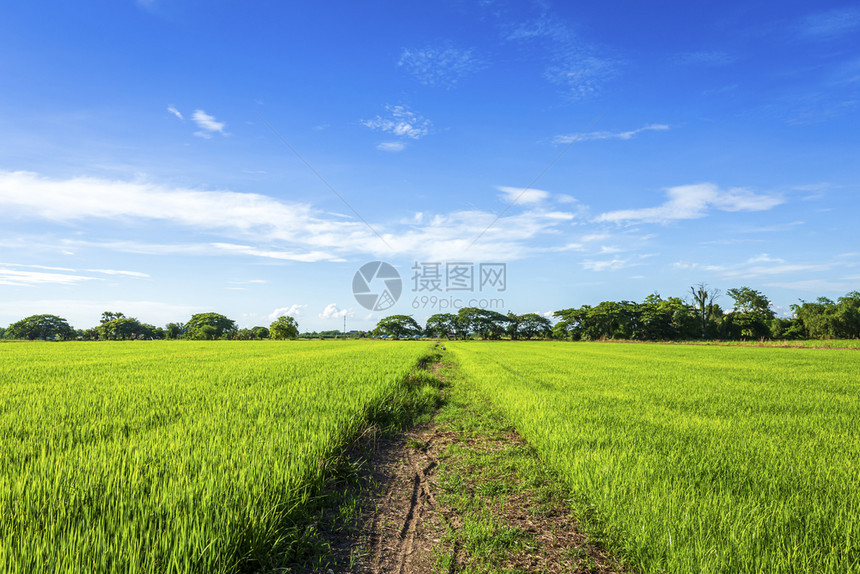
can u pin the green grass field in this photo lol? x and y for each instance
(205, 456)
(176, 456)
(689, 458)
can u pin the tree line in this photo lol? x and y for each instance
(749, 317)
(116, 326)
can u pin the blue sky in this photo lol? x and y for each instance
(166, 157)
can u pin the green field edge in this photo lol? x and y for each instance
(414, 399)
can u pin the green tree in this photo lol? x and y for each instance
(751, 315)
(572, 323)
(612, 320)
(284, 327)
(175, 330)
(483, 322)
(532, 325)
(111, 316)
(260, 332)
(41, 327)
(210, 326)
(118, 327)
(397, 326)
(827, 319)
(441, 325)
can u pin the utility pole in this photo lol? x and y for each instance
(344, 326)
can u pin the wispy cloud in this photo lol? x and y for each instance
(522, 195)
(136, 274)
(571, 61)
(175, 112)
(208, 124)
(606, 265)
(819, 286)
(765, 265)
(693, 202)
(262, 226)
(24, 275)
(607, 135)
(307, 257)
(441, 66)
(706, 58)
(832, 24)
(391, 146)
(400, 121)
(27, 278)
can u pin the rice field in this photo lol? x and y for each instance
(178, 456)
(693, 459)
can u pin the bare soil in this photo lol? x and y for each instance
(401, 523)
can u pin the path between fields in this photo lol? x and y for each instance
(406, 522)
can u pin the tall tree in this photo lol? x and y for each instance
(111, 316)
(704, 299)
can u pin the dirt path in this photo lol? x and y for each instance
(462, 492)
(409, 523)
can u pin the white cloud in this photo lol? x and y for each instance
(294, 310)
(609, 265)
(764, 258)
(310, 257)
(208, 124)
(21, 278)
(137, 274)
(522, 195)
(262, 226)
(595, 237)
(693, 202)
(443, 66)
(391, 146)
(400, 121)
(332, 311)
(605, 135)
(175, 112)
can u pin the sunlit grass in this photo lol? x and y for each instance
(694, 459)
(176, 456)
